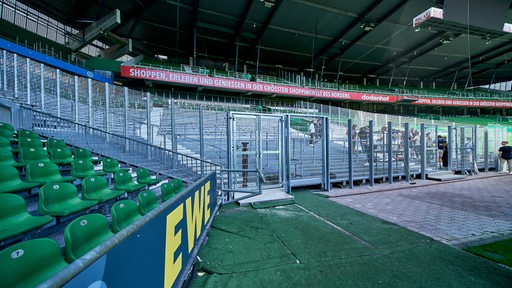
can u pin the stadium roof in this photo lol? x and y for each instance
(328, 39)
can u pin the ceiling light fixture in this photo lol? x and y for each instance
(268, 3)
(368, 26)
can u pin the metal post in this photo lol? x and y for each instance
(245, 164)
(125, 128)
(58, 91)
(287, 158)
(390, 152)
(42, 87)
(5, 70)
(423, 156)
(76, 99)
(450, 148)
(89, 100)
(230, 150)
(174, 137)
(486, 149)
(407, 149)
(324, 129)
(148, 119)
(350, 155)
(29, 100)
(107, 108)
(371, 147)
(15, 65)
(201, 138)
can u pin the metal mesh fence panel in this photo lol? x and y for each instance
(35, 84)
(116, 119)
(99, 103)
(50, 89)
(137, 119)
(21, 75)
(83, 101)
(67, 95)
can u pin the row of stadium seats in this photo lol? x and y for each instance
(71, 206)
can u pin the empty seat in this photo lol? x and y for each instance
(96, 188)
(7, 158)
(7, 134)
(83, 168)
(61, 156)
(28, 134)
(124, 213)
(147, 201)
(31, 262)
(45, 172)
(84, 154)
(29, 142)
(83, 234)
(178, 185)
(144, 177)
(53, 143)
(5, 143)
(7, 126)
(61, 199)
(167, 191)
(10, 181)
(124, 181)
(111, 165)
(33, 154)
(14, 217)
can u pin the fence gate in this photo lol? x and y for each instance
(255, 152)
(464, 149)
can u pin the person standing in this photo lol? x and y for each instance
(441, 147)
(312, 132)
(505, 155)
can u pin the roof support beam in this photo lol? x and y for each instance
(356, 22)
(239, 26)
(390, 12)
(96, 29)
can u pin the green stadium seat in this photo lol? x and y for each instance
(53, 143)
(29, 142)
(124, 181)
(124, 213)
(33, 154)
(45, 172)
(168, 191)
(28, 134)
(61, 199)
(7, 158)
(61, 156)
(84, 168)
(15, 219)
(5, 143)
(85, 154)
(147, 201)
(83, 234)
(7, 134)
(178, 185)
(7, 126)
(111, 165)
(31, 262)
(10, 181)
(144, 177)
(96, 188)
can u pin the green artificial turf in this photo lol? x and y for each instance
(319, 243)
(500, 251)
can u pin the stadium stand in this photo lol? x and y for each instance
(61, 199)
(29, 263)
(7, 158)
(124, 212)
(147, 201)
(83, 234)
(15, 219)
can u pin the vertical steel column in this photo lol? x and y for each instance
(350, 155)
(450, 148)
(107, 108)
(486, 149)
(407, 149)
(15, 65)
(89, 100)
(5, 70)
(423, 151)
(371, 159)
(42, 87)
(58, 91)
(76, 100)
(287, 159)
(174, 137)
(201, 138)
(326, 172)
(389, 137)
(125, 128)
(230, 149)
(29, 100)
(148, 116)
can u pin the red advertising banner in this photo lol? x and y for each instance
(243, 85)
